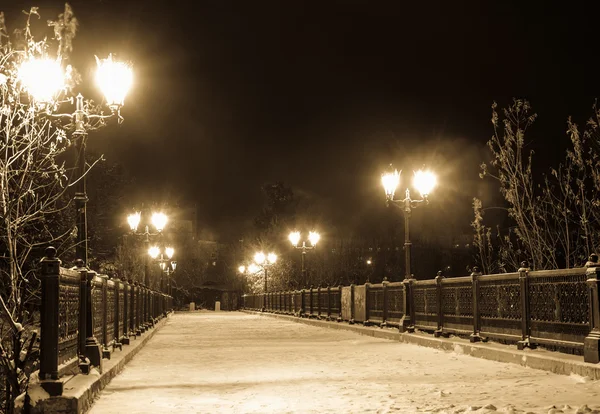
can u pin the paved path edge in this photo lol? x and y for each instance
(81, 390)
(563, 364)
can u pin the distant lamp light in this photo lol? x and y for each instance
(43, 78)
(159, 221)
(134, 220)
(314, 237)
(390, 181)
(162, 265)
(260, 258)
(154, 251)
(369, 262)
(424, 182)
(253, 268)
(114, 79)
(272, 258)
(242, 269)
(173, 265)
(169, 251)
(294, 238)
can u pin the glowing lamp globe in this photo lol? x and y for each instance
(169, 251)
(134, 220)
(390, 182)
(159, 220)
(43, 78)
(114, 79)
(314, 238)
(154, 251)
(272, 258)
(294, 238)
(260, 258)
(424, 182)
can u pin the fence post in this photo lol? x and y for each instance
(440, 315)
(117, 315)
(339, 318)
(105, 350)
(525, 310)
(351, 321)
(328, 302)
(408, 317)
(475, 337)
(126, 312)
(302, 302)
(84, 362)
(367, 304)
(50, 277)
(384, 283)
(93, 351)
(591, 343)
(135, 304)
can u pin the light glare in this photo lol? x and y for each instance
(314, 237)
(43, 78)
(154, 251)
(134, 220)
(390, 182)
(253, 268)
(159, 220)
(272, 257)
(260, 258)
(114, 79)
(424, 182)
(294, 238)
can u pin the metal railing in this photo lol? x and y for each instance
(559, 309)
(85, 316)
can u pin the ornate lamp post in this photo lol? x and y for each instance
(424, 182)
(44, 80)
(169, 271)
(159, 221)
(313, 238)
(164, 264)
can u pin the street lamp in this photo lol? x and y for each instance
(159, 221)
(44, 79)
(261, 262)
(164, 264)
(313, 238)
(424, 182)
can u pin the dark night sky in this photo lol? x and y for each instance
(323, 94)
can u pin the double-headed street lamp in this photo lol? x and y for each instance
(164, 263)
(424, 182)
(45, 81)
(261, 262)
(313, 237)
(159, 221)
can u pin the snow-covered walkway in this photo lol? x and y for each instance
(207, 362)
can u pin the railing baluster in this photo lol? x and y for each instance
(50, 278)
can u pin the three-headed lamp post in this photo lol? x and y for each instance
(313, 238)
(424, 182)
(45, 80)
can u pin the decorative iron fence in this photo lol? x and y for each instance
(85, 316)
(559, 309)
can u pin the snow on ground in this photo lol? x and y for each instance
(206, 362)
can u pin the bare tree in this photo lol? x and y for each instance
(34, 183)
(556, 217)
